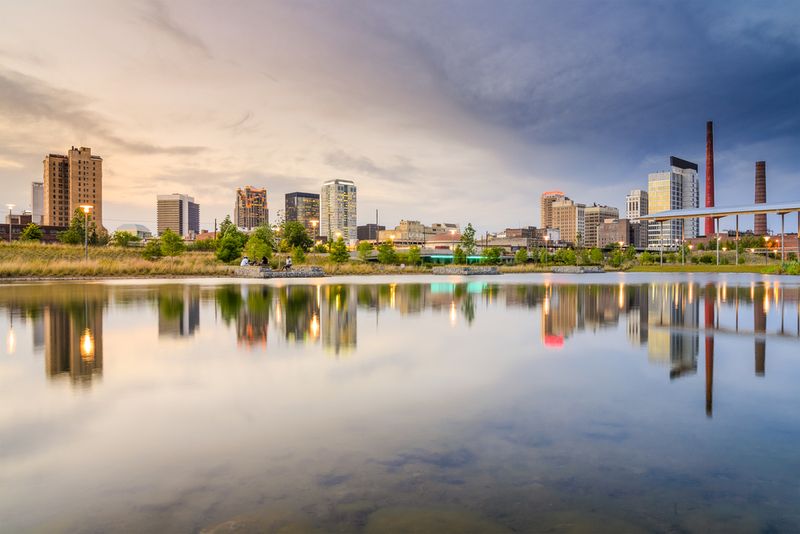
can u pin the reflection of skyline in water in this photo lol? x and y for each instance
(503, 399)
(67, 321)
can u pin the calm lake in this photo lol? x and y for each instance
(515, 403)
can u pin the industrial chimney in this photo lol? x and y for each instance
(709, 175)
(760, 226)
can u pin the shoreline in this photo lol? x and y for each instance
(392, 272)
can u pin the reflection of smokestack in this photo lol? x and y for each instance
(760, 326)
(761, 357)
(760, 227)
(709, 175)
(709, 326)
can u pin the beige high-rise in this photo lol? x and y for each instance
(568, 217)
(593, 216)
(69, 182)
(547, 200)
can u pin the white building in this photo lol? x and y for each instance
(636, 205)
(140, 231)
(337, 204)
(675, 189)
(37, 202)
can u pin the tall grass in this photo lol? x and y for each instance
(35, 260)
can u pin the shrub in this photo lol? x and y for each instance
(414, 257)
(646, 258)
(707, 259)
(298, 255)
(256, 248)
(339, 253)
(596, 256)
(492, 255)
(459, 256)
(387, 254)
(32, 232)
(365, 248)
(121, 238)
(152, 250)
(521, 256)
(172, 244)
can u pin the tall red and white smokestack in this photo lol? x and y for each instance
(709, 175)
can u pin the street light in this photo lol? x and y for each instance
(86, 208)
(10, 207)
(314, 226)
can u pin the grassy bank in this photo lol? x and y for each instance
(34, 260)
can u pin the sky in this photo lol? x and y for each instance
(440, 111)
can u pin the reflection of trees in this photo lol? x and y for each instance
(178, 310)
(229, 301)
(301, 313)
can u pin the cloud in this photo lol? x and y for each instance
(24, 99)
(158, 16)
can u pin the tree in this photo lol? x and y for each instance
(296, 236)
(616, 258)
(414, 256)
(596, 256)
(387, 254)
(229, 247)
(225, 225)
(491, 255)
(32, 232)
(75, 234)
(231, 241)
(339, 253)
(645, 258)
(256, 248)
(152, 249)
(459, 256)
(468, 240)
(521, 256)
(121, 238)
(171, 243)
(364, 248)
(630, 253)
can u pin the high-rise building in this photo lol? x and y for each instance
(569, 217)
(546, 205)
(304, 208)
(338, 210)
(369, 232)
(677, 188)
(69, 182)
(251, 210)
(37, 202)
(636, 205)
(179, 213)
(593, 216)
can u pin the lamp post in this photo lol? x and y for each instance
(314, 224)
(86, 208)
(10, 207)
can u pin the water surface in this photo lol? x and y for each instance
(535, 403)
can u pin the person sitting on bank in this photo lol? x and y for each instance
(245, 262)
(288, 264)
(264, 261)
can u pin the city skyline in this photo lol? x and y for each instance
(528, 106)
